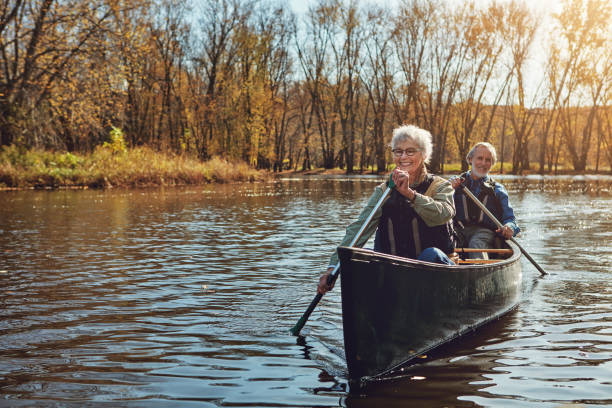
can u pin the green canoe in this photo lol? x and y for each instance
(395, 309)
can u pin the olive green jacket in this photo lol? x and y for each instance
(435, 207)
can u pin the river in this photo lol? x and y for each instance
(185, 297)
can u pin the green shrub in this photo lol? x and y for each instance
(117, 141)
(68, 160)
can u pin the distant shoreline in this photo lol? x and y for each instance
(143, 167)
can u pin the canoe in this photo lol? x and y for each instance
(396, 309)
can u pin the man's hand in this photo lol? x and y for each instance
(454, 257)
(456, 181)
(505, 232)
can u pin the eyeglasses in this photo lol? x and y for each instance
(408, 152)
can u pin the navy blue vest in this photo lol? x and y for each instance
(469, 213)
(402, 232)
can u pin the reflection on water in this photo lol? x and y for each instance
(185, 297)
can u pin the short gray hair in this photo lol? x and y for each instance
(487, 145)
(421, 137)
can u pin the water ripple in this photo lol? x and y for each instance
(185, 297)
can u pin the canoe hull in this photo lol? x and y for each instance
(395, 309)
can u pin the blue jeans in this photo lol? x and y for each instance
(478, 237)
(433, 254)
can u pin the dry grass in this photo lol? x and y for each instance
(106, 168)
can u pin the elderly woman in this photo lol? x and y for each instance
(475, 227)
(416, 221)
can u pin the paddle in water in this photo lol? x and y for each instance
(295, 330)
(499, 225)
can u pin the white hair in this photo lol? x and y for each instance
(421, 137)
(486, 145)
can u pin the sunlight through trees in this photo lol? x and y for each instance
(249, 80)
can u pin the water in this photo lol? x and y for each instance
(184, 297)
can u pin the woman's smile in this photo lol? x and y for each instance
(408, 157)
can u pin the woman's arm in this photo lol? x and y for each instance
(354, 227)
(436, 206)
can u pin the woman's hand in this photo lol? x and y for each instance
(401, 179)
(323, 287)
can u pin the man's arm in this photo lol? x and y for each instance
(508, 218)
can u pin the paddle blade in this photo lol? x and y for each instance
(295, 330)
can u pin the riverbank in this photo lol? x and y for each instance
(455, 168)
(108, 168)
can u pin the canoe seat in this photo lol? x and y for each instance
(489, 250)
(478, 261)
(494, 254)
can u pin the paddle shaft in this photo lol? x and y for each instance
(331, 278)
(499, 225)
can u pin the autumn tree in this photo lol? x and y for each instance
(276, 30)
(432, 55)
(170, 35)
(579, 51)
(522, 27)
(133, 46)
(605, 128)
(377, 79)
(484, 29)
(604, 116)
(313, 50)
(346, 50)
(48, 50)
(412, 39)
(262, 59)
(245, 80)
(444, 64)
(213, 55)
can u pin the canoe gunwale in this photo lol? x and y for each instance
(516, 255)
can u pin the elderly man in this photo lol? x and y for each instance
(477, 229)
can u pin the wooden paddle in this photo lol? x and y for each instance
(499, 225)
(295, 330)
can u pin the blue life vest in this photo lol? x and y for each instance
(402, 232)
